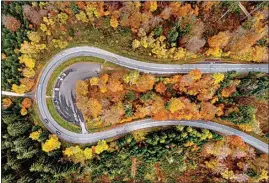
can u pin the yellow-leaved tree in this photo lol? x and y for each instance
(19, 89)
(175, 104)
(81, 88)
(88, 153)
(75, 153)
(28, 73)
(62, 18)
(6, 102)
(51, 144)
(256, 54)
(34, 36)
(218, 77)
(35, 135)
(57, 43)
(135, 44)
(101, 147)
(32, 48)
(195, 74)
(81, 16)
(94, 107)
(78, 155)
(114, 22)
(23, 111)
(216, 43)
(27, 60)
(151, 6)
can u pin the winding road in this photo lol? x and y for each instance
(69, 136)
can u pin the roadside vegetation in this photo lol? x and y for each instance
(150, 31)
(116, 97)
(31, 154)
(163, 32)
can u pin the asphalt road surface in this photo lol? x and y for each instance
(64, 95)
(65, 55)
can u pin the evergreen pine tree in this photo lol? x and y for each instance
(8, 178)
(25, 179)
(18, 128)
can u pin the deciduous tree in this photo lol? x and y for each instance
(51, 144)
(94, 107)
(208, 111)
(27, 103)
(101, 146)
(6, 102)
(11, 23)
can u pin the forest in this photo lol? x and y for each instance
(188, 32)
(231, 98)
(162, 32)
(178, 154)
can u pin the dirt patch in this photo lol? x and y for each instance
(134, 167)
(158, 172)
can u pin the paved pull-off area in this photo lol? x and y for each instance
(65, 55)
(64, 98)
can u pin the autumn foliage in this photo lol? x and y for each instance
(119, 97)
(11, 23)
(27, 103)
(6, 102)
(222, 154)
(170, 31)
(51, 144)
(78, 155)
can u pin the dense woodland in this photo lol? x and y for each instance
(118, 97)
(22, 158)
(164, 32)
(178, 154)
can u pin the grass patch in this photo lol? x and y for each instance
(65, 124)
(91, 129)
(35, 116)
